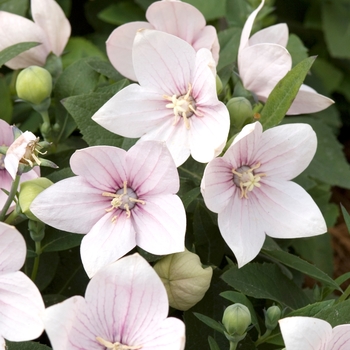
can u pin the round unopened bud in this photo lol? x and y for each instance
(28, 192)
(184, 278)
(34, 84)
(236, 319)
(272, 315)
(240, 110)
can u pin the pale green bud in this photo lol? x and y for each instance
(218, 85)
(184, 278)
(28, 192)
(240, 111)
(236, 319)
(272, 315)
(34, 85)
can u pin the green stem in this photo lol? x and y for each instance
(263, 338)
(233, 346)
(344, 295)
(36, 260)
(12, 217)
(10, 197)
(45, 116)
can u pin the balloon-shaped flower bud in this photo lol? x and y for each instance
(272, 315)
(28, 192)
(184, 278)
(241, 112)
(34, 85)
(236, 320)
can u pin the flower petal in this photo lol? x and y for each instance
(276, 34)
(286, 150)
(160, 224)
(340, 338)
(6, 133)
(71, 205)
(262, 66)
(13, 249)
(151, 169)
(107, 241)
(163, 62)
(208, 38)
(103, 167)
(308, 101)
(21, 307)
(305, 333)
(119, 46)
(50, 17)
(15, 29)
(288, 210)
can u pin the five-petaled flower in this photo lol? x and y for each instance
(174, 17)
(176, 100)
(308, 333)
(250, 188)
(125, 308)
(263, 61)
(22, 306)
(50, 28)
(120, 199)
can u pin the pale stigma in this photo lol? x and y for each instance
(117, 345)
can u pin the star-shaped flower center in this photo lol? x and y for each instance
(245, 178)
(184, 106)
(124, 198)
(117, 345)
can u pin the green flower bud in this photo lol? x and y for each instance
(236, 319)
(28, 192)
(272, 315)
(184, 278)
(240, 111)
(218, 85)
(34, 84)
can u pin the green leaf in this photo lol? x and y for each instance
(106, 69)
(5, 101)
(213, 344)
(312, 309)
(190, 196)
(303, 266)
(211, 9)
(121, 13)
(28, 345)
(210, 322)
(346, 216)
(18, 7)
(266, 281)
(323, 70)
(297, 49)
(282, 96)
(229, 42)
(14, 50)
(336, 314)
(56, 240)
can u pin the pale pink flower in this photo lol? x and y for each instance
(21, 303)
(6, 139)
(308, 333)
(120, 199)
(50, 28)
(263, 61)
(250, 188)
(176, 101)
(174, 17)
(125, 307)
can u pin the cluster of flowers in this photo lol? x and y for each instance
(122, 199)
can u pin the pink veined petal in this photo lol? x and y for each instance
(308, 101)
(244, 42)
(12, 249)
(103, 167)
(340, 338)
(50, 17)
(170, 336)
(119, 46)
(286, 150)
(208, 38)
(133, 111)
(262, 66)
(107, 241)
(288, 211)
(6, 133)
(245, 145)
(71, 205)
(241, 228)
(217, 185)
(151, 169)
(21, 307)
(128, 300)
(305, 333)
(15, 29)
(160, 224)
(69, 325)
(177, 18)
(276, 34)
(163, 62)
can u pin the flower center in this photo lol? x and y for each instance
(125, 199)
(30, 155)
(117, 345)
(184, 106)
(245, 178)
